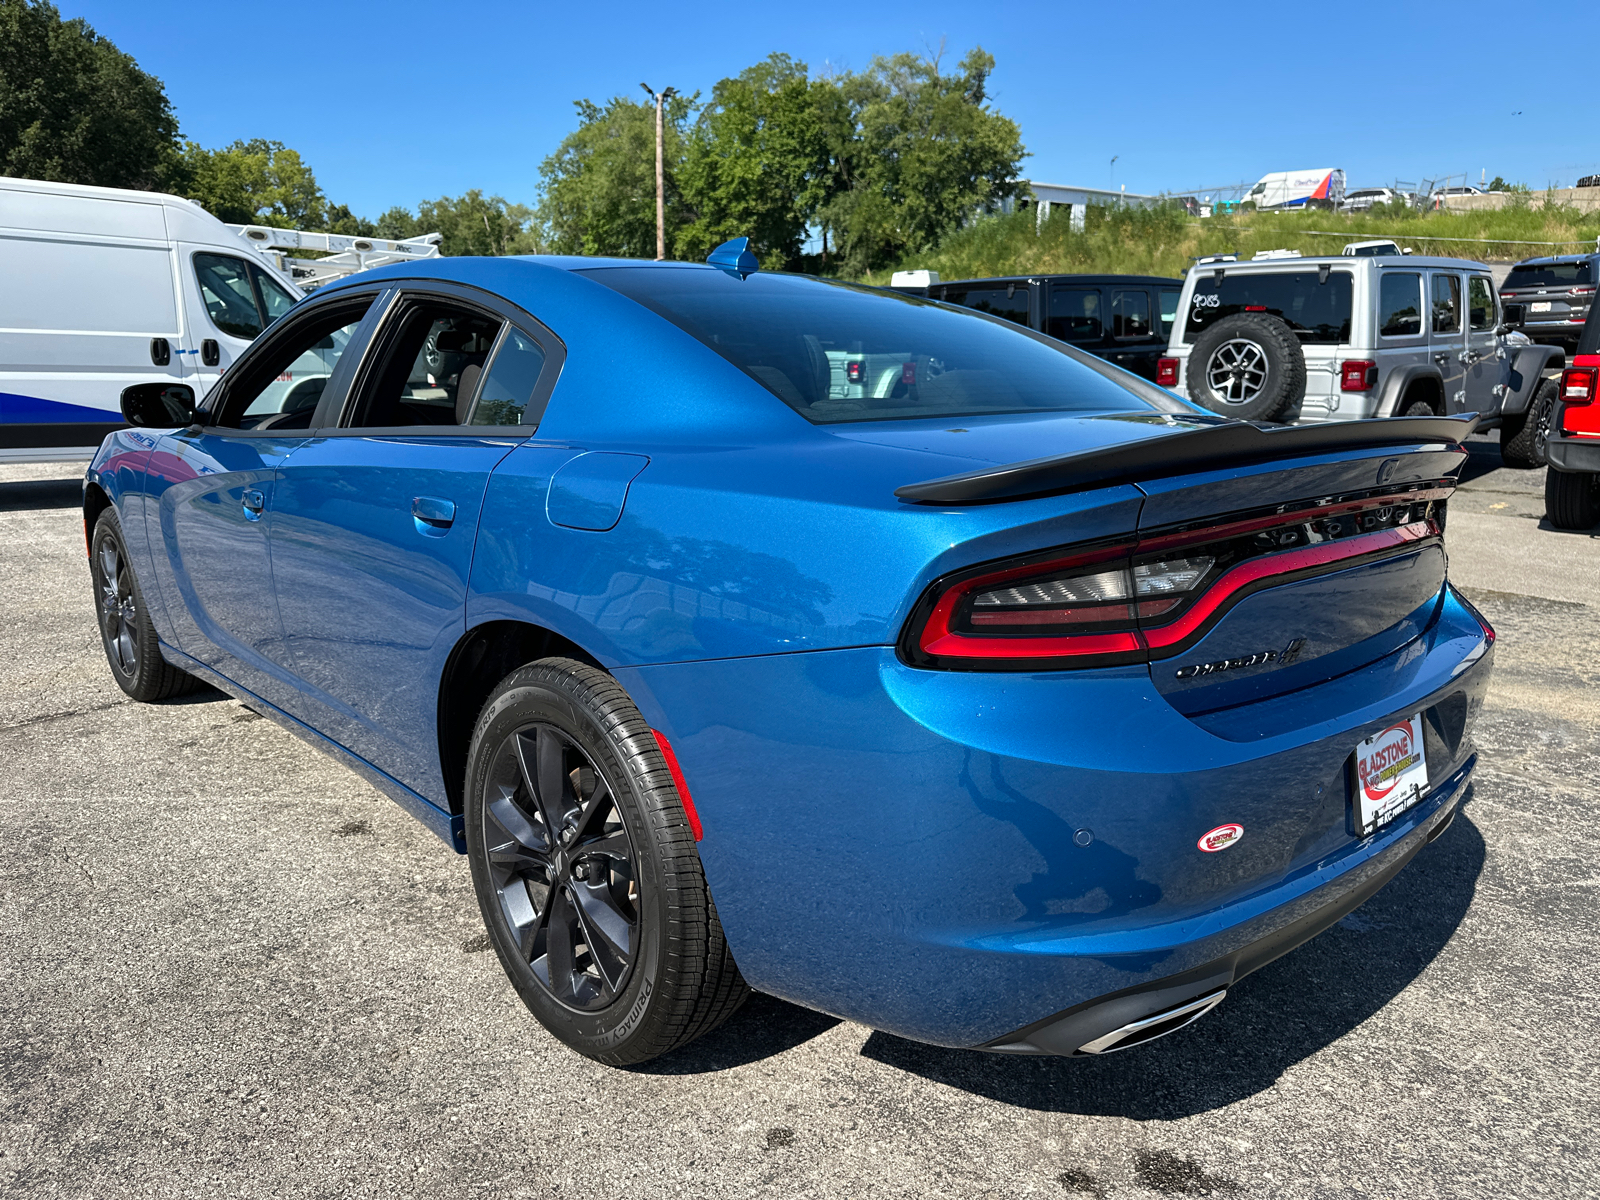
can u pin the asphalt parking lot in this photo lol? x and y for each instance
(230, 967)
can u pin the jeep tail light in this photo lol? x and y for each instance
(1581, 291)
(1130, 602)
(1358, 375)
(854, 371)
(1167, 372)
(1578, 384)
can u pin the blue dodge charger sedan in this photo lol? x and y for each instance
(749, 630)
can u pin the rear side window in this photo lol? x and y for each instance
(1551, 274)
(1009, 301)
(1400, 304)
(1075, 314)
(509, 383)
(1130, 314)
(836, 352)
(1316, 307)
(1447, 304)
(1169, 309)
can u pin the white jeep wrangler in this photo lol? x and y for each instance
(1337, 338)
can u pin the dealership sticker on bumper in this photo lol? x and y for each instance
(1391, 774)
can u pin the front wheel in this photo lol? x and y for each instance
(1572, 499)
(1523, 438)
(126, 631)
(586, 871)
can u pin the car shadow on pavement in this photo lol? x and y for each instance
(17, 495)
(1483, 458)
(762, 1028)
(1284, 1013)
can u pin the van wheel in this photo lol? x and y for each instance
(586, 871)
(1248, 367)
(126, 631)
(1522, 443)
(1572, 499)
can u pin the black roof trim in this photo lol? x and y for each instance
(1053, 278)
(1211, 448)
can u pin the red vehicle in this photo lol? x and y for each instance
(1572, 448)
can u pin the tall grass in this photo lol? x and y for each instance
(1163, 241)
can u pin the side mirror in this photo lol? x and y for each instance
(1512, 317)
(158, 405)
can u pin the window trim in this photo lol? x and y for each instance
(491, 306)
(255, 298)
(1460, 331)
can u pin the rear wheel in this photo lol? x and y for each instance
(586, 871)
(1418, 408)
(1523, 438)
(126, 632)
(1572, 499)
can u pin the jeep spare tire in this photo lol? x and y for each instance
(1248, 367)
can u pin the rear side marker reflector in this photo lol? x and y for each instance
(677, 781)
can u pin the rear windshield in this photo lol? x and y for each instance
(1550, 275)
(1317, 311)
(836, 352)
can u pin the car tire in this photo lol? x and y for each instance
(1419, 408)
(575, 831)
(1248, 367)
(1572, 499)
(1523, 437)
(126, 632)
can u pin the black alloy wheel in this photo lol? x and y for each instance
(563, 866)
(586, 870)
(1248, 366)
(126, 632)
(1524, 437)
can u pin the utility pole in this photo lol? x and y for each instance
(661, 179)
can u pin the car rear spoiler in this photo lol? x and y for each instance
(1208, 448)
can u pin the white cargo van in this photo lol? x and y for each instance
(1319, 187)
(102, 288)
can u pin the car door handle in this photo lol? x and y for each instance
(1441, 359)
(433, 512)
(254, 503)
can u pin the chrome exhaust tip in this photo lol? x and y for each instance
(1158, 1025)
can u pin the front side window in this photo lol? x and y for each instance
(1130, 314)
(1075, 315)
(1400, 304)
(836, 352)
(509, 384)
(1008, 300)
(240, 297)
(279, 384)
(1447, 304)
(1316, 305)
(1480, 303)
(429, 364)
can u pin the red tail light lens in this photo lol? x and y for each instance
(854, 371)
(1115, 604)
(1578, 384)
(1167, 372)
(1358, 376)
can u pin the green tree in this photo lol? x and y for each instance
(475, 224)
(600, 184)
(255, 182)
(917, 153)
(756, 162)
(75, 109)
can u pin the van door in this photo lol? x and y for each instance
(1447, 336)
(1486, 367)
(88, 307)
(231, 302)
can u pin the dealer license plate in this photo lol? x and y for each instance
(1391, 774)
(1539, 306)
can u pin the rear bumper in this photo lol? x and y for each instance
(956, 856)
(1572, 455)
(1070, 1031)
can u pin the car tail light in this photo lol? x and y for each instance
(908, 373)
(1167, 372)
(1580, 291)
(1578, 384)
(1358, 375)
(1134, 601)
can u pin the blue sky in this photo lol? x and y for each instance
(402, 101)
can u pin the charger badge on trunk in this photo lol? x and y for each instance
(1220, 838)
